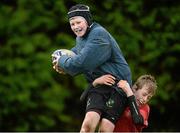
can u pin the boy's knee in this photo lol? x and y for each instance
(90, 122)
(87, 127)
(106, 126)
(85, 130)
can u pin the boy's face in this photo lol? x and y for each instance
(142, 95)
(78, 25)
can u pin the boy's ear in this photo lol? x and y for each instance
(134, 88)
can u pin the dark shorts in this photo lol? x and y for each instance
(106, 101)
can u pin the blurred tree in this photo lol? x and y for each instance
(36, 98)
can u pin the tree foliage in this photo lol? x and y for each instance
(36, 98)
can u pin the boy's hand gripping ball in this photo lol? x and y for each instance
(56, 55)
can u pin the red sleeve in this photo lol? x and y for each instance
(144, 111)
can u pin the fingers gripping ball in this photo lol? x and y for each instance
(57, 54)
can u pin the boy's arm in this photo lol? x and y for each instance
(123, 84)
(96, 51)
(105, 79)
(136, 116)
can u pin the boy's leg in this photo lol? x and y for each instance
(115, 106)
(90, 122)
(94, 107)
(106, 126)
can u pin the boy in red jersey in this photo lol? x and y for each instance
(135, 116)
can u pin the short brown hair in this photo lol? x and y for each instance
(147, 80)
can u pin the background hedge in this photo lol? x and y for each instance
(33, 97)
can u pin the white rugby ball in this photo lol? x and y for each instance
(61, 52)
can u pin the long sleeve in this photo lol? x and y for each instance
(96, 51)
(136, 116)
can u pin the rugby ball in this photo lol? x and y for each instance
(61, 52)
